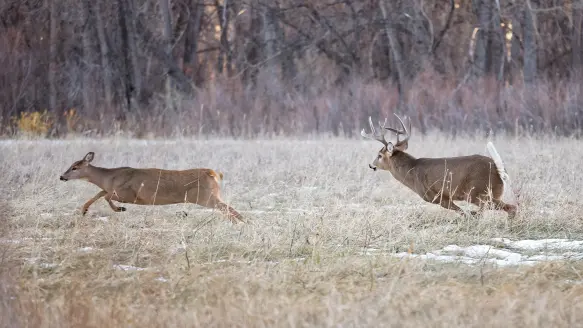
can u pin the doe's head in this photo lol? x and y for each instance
(78, 170)
(384, 156)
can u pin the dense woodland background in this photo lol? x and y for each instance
(243, 68)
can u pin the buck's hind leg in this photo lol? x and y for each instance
(510, 209)
(447, 203)
(92, 200)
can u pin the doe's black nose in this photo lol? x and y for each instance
(63, 179)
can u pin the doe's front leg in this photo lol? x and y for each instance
(92, 200)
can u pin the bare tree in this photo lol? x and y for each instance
(395, 51)
(87, 66)
(167, 34)
(193, 25)
(530, 49)
(53, 39)
(104, 53)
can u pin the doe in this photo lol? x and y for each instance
(151, 186)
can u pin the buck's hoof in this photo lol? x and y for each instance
(122, 209)
(181, 214)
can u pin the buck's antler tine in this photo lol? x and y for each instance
(384, 124)
(405, 131)
(372, 129)
(394, 130)
(368, 135)
(373, 135)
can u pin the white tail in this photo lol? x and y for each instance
(507, 193)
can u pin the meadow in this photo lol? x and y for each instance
(327, 245)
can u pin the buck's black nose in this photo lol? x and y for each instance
(63, 179)
(374, 168)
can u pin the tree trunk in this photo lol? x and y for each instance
(530, 67)
(269, 41)
(224, 50)
(52, 55)
(87, 54)
(481, 65)
(190, 59)
(129, 49)
(396, 52)
(577, 40)
(104, 50)
(167, 34)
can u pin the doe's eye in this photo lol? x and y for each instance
(74, 169)
(380, 156)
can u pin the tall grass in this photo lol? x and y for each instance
(315, 207)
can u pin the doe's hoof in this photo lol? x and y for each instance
(122, 209)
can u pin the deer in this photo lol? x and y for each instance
(151, 186)
(474, 178)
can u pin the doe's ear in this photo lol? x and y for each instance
(89, 157)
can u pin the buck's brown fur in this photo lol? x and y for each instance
(473, 178)
(151, 186)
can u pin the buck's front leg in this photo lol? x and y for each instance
(92, 200)
(112, 205)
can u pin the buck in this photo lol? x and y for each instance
(475, 178)
(151, 186)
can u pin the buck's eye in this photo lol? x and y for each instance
(380, 156)
(74, 169)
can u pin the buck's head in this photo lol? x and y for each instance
(78, 170)
(384, 157)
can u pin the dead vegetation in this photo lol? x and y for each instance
(315, 205)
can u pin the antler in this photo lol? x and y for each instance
(374, 135)
(405, 131)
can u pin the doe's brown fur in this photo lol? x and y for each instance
(151, 186)
(473, 178)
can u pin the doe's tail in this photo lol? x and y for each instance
(216, 174)
(507, 194)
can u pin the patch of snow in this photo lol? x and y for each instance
(10, 241)
(85, 249)
(542, 244)
(102, 218)
(46, 215)
(18, 241)
(162, 279)
(512, 255)
(37, 261)
(127, 267)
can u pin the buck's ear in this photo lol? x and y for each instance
(390, 148)
(403, 146)
(89, 157)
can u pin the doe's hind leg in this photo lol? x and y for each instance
(112, 205)
(232, 214)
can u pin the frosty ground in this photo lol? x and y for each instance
(331, 242)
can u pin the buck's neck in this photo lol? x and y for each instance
(400, 168)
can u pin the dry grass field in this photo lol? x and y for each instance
(320, 250)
